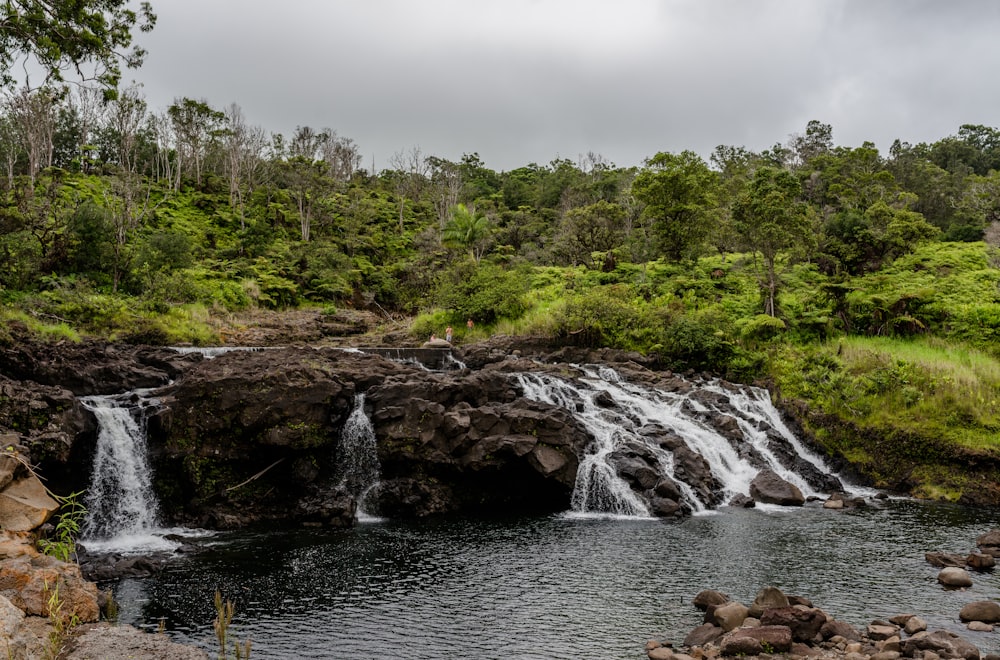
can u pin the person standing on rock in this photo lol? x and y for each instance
(447, 334)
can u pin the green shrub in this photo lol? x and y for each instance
(484, 292)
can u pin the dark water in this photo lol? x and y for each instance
(555, 587)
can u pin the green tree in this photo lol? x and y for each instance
(770, 218)
(678, 191)
(586, 230)
(68, 35)
(467, 230)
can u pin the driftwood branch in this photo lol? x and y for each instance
(256, 476)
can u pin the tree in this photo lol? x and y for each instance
(817, 141)
(195, 125)
(586, 230)
(65, 35)
(34, 114)
(769, 217)
(467, 230)
(678, 191)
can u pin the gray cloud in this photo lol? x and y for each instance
(522, 81)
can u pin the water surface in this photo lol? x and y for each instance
(555, 587)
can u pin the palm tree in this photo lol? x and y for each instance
(466, 230)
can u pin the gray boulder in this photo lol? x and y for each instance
(987, 611)
(769, 488)
(945, 644)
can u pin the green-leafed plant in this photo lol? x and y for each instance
(62, 545)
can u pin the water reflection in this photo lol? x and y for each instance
(555, 587)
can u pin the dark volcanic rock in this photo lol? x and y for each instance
(770, 488)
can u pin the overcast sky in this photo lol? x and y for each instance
(522, 81)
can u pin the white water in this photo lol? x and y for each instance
(358, 469)
(122, 509)
(209, 352)
(599, 490)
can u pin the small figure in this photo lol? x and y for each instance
(433, 337)
(469, 324)
(447, 334)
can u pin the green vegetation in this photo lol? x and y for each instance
(818, 269)
(62, 545)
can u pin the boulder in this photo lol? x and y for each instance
(30, 583)
(769, 488)
(945, 559)
(914, 625)
(729, 615)
(942, 642)
(987, 611)
(767, 598)
(882, 630)
(703, 634)
(979, 561)
(804, 622)
(754, 641)
(708, 597)
(832, 503)
(741, 501)
(835, 627)
(954, 577)
(990, 539)
(14, 638)
(660, 653)
(25, 505)
(979, 626)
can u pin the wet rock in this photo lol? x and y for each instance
(835, 627)
(990, 539)
(660, 653)
(945, 559)
(768, 487)
(703, 634)
(834, 503)
(979, 626)
(954, 577)
(754, 641)
(914, 625)
(708, 597)
(804, 622)
(742, 501)
(729, 615)
(942, 642)
(979, 561)
(987, 611)
(767, 598)
(882, 630)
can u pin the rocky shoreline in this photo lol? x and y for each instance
(776, 625)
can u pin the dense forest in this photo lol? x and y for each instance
(195, 206)
(860, 283)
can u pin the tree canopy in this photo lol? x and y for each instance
(88, 37)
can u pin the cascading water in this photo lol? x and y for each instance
(122, 508)
(619, 416)
(357, 470)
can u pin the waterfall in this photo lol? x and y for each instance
(631, 420)
(122, 508)
(357, 469)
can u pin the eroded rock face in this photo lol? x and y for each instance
(24, 504)
(30, 581)
(446, 441)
